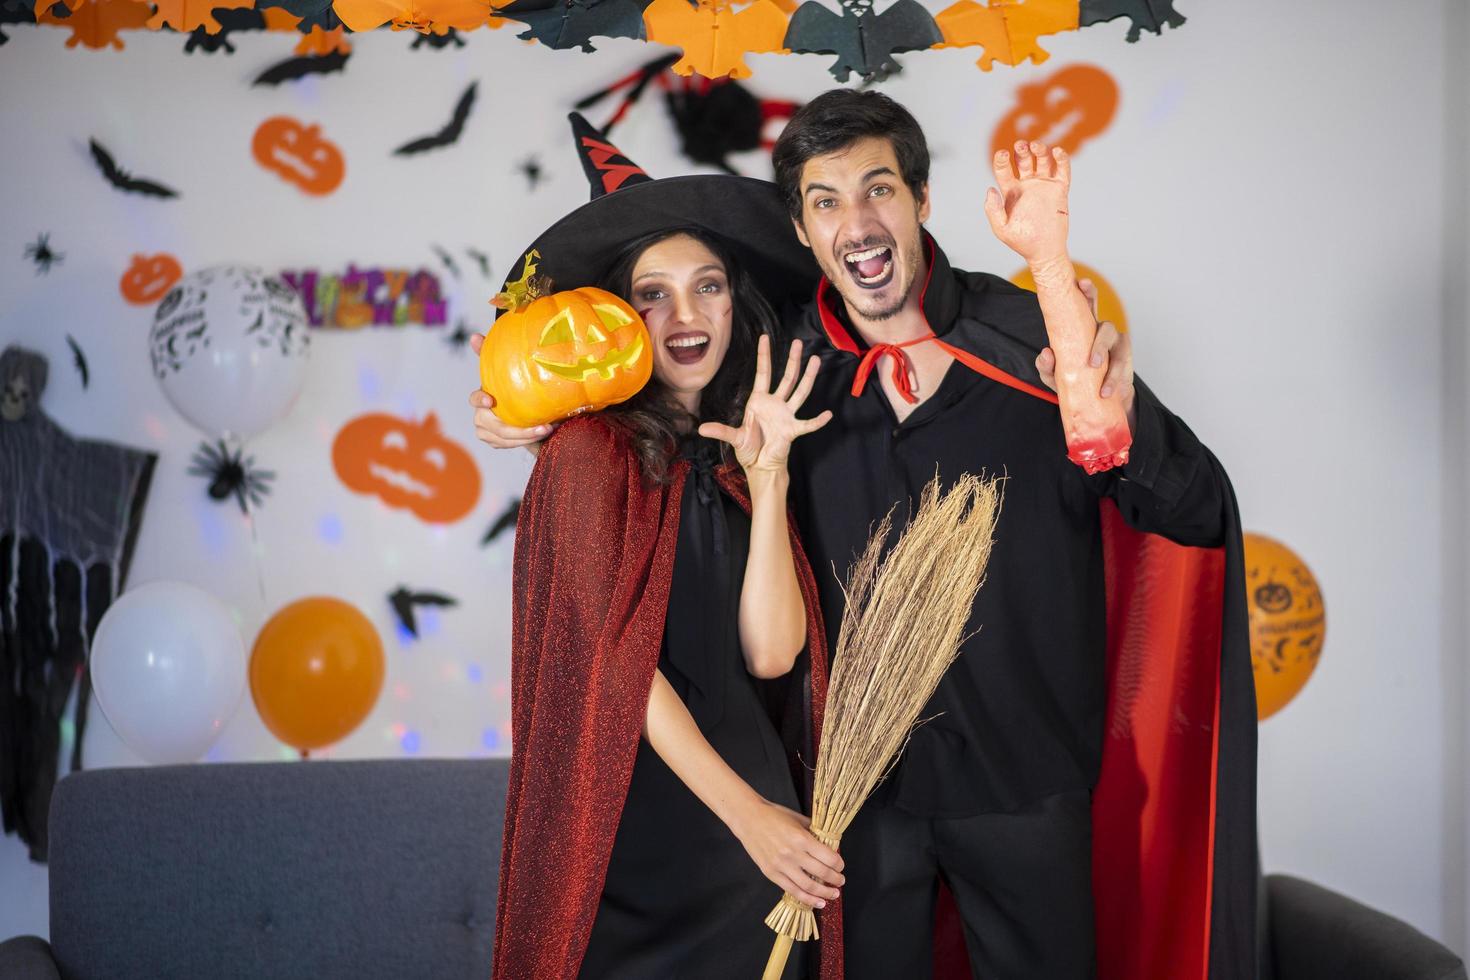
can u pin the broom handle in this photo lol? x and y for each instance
(776, 965)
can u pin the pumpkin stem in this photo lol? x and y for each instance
(519, 294)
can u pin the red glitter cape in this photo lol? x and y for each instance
(594, 557)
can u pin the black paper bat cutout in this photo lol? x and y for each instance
(448, 261)
(294, 68)
(1146, 15)
(124, 181)
(41, 253)
(403, 602)
(437, 42)
(80, 360)
(230, 22)
(481, 259)
(573, 23)
(863, 41)
(506, 521)
(450, 133)
(15, 12)
(313, 13)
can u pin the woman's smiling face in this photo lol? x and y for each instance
(682, 291)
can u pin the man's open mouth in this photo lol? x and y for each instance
(870, 268)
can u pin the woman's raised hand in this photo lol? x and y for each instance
(770, 425)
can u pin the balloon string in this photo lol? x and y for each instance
(256, 552)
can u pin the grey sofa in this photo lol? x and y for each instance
(272, 870)
(387, 869)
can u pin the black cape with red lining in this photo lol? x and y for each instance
(1175, 872)
(594, 560)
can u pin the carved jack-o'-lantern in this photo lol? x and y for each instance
(149, 277)
(299, 154)
(1288, 621)
(408, 465)
(551, 357)
(1065, 109)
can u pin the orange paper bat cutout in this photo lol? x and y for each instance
(714, 36)
(424, 16)
(320, 42)
(96, 23)
(190, 15)
(1006, 29)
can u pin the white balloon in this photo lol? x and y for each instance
(229, 347)
(168, 669)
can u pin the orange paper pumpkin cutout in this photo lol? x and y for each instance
(1288, 621)
(1007, 29)
(190, 15)
(424, 16)
(299, 154)
(715, 37)
(149, 278)
(408, 465)
(96, 23)
(316, 671)
(1065, 109)
(574, 351)
(320, 42)
(1109, 306)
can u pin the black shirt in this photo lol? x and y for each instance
(1019, 716)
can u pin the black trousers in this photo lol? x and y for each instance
(1022, 881)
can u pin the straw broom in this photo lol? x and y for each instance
(905, 621)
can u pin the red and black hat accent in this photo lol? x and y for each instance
(607, 168)
(744, 214)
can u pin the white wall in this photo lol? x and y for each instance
(1270, 202)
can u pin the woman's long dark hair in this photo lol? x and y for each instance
(653, 417)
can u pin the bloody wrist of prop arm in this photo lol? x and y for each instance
(1097, 430)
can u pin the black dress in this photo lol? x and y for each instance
(682, 899)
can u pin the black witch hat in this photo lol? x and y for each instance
(743, 213)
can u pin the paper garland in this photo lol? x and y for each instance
(714, 35)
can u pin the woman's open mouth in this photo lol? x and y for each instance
(871, 268)
(688, 347)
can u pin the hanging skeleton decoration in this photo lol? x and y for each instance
(70, 510)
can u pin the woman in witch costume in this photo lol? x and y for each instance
(668, 670)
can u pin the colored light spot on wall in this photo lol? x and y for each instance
(500, 690)
(474, 673)
(490, 738)
(368, 384)
(330, 529)
(401, 692)
(410, 742)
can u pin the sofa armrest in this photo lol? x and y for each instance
(1317, 933)
(27, 958)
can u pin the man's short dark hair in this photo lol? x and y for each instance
(838, 118)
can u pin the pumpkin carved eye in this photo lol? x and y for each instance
(559, 330)
(435, 457)
(395, 440)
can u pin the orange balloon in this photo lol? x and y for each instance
(1288, 621)
(316, 671)
(1109, 306)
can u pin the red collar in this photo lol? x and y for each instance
(840, 338)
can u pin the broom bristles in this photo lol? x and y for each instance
(905, 622)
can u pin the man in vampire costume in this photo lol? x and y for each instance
(1085, 789)
(1082, 799)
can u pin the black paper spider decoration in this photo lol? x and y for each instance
(231, 473)
(41, 253)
